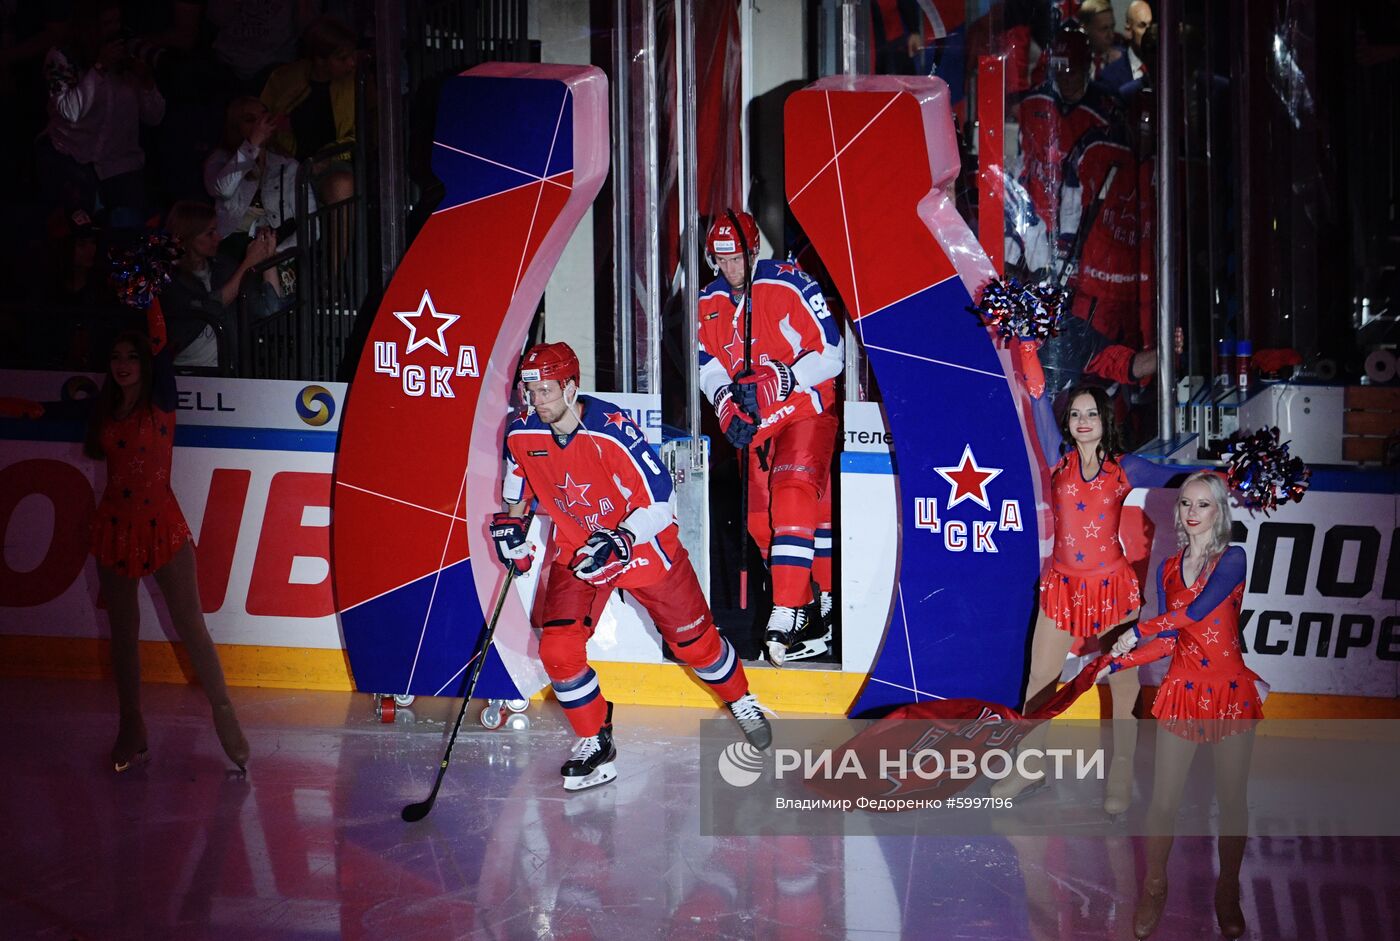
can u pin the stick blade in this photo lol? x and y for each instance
(416, 812)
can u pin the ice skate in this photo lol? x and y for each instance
(130, 749)
(785, 627)
(815, 639)
(1150, 907)
(592, 761)
(1228, 913)
(749, 713)
(231, 735)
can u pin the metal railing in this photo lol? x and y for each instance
(307, 338)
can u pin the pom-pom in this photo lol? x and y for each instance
(139, 274)
(1021, 311)
(1262, 472)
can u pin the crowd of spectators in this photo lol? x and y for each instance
(213, 120)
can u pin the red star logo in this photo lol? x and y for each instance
(574, 493)
(968, 481)
(788, 267)
(616, 419)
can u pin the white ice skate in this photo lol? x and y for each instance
(592, 760)
(806, 637)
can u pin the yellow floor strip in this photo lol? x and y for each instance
(791, 690)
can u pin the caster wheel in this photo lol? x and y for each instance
(491, 717)
(517, 705)
(387, 709)
(404, 699)
(518, 722)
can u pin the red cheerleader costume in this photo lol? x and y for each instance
(138, 527)
(1208, 692)
(1088, 585)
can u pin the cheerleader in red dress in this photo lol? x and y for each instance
(1088, 588)
(1208, 695)
(138, 530)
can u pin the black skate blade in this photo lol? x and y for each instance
(806, 650)
(599, 775)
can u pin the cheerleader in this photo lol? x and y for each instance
(1088, 588)
(1208, 695)
(138, 530)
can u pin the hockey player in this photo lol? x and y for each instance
(776, 401)
(1113, 271)
(592, 471)
(1053, 119)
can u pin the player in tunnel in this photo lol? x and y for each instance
(770, 352)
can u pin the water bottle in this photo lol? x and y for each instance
(1244, 349)
(1224, 361)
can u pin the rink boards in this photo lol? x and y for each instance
(252, 470)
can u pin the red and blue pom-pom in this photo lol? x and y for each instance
(1262, 472)
(139, 274)
(1021, 311)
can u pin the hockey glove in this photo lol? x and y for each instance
(603, 557)
(767, 387)
(512, 548)
(738, 427)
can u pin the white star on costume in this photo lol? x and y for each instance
(1205, 703)
(432, 334)
(1210, 636)
(1234, 711)
(1092, 531)
(1097, 484)
(1069, 540)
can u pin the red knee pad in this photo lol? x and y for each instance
(564, 650)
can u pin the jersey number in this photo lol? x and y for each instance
(646, 459)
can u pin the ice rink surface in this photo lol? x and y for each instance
(310, 844)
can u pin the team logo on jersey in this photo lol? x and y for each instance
(575, 494)
(616, 419)
(426, 325)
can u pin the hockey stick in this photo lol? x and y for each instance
(748, 368)
(415, 812)
(1086, 222)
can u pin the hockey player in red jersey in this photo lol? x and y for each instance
(1054, 117)
(773, 393)
(592, 471)
(1112, 280)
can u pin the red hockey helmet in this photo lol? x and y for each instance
(724, 239)
(549, 361)
(1069, 50)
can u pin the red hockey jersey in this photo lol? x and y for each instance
(1050, 128)
(791, 325)
(1110, 266)
(604, 476)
